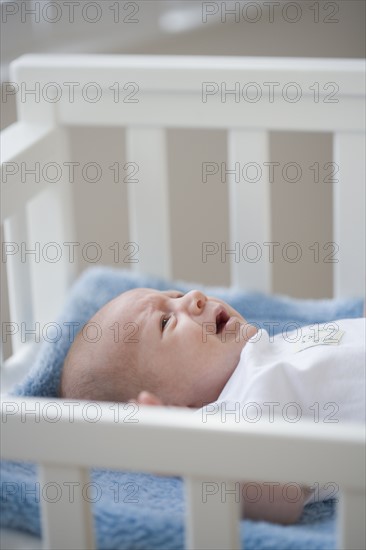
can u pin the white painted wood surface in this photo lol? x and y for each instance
(349, 213)
(185, 73)
(67, 521)
(38, 219)
(100, 426)
(165, 109)
(116, 437)
(250, 212)
(28, 144)
(206, 508)
(19, 285)
(148, 200)
(351, 515)
(149, 93)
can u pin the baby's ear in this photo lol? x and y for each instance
(147, 398)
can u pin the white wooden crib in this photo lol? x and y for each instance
(181, 92)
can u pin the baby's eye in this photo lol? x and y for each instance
(164, 322)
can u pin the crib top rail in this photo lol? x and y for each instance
(189, 91)
(116, 436)
(186, 73)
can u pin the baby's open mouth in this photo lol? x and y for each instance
(221, 320)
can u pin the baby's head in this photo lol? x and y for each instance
(182, 348)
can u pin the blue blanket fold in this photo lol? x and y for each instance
(156, 519)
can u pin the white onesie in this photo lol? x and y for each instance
(317, 372)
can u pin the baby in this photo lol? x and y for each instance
(154, 342)
(191, 350)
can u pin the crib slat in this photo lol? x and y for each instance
(351, 520)
(212, 515)
(22, 146)
(66, 515)
(20, 296)
(249, 203)
(53, 266)
(52, 226)
(349, 214)
(148, 199)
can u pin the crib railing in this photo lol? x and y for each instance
(306, 454)
(176, 92)
(147, 95)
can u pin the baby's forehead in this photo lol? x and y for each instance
(127, 304)
(134, 302)
(138, 298)
(131, 314)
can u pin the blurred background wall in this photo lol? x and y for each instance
(300, 212)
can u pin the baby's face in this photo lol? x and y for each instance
(189, 345)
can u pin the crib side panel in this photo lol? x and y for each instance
(202, 93)
(198, 93)
(38, 220)
(125, 443)
(19, 145)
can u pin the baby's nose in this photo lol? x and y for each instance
(195, 301)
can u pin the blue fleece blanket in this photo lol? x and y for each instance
(138, 510)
